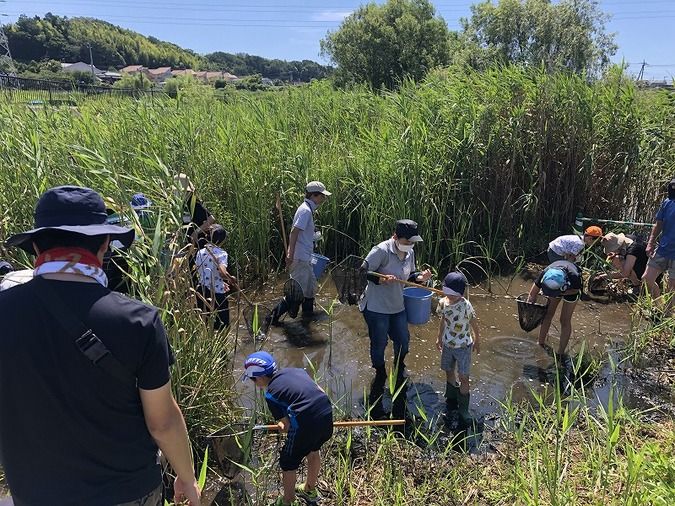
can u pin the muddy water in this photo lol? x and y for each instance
(510, 359)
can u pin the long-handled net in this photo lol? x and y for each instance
(350, 279)
(531, 314)
(234, 446)
(294, 296)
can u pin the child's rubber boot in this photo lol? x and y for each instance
(310, 496)
(465, 419)
(451, 404)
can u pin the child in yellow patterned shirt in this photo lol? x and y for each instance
(455, 342)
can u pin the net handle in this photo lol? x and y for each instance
(343, 424)
(410, 283)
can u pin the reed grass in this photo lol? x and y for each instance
(490, 164)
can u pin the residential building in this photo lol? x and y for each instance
(80, 66)
(158, 75)
(133, 69)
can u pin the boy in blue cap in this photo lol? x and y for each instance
(304, 411)
(455, 343)
(559, 281)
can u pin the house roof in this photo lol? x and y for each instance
(208, 74)
(79, 66)
(132, 68)
(159, 70)
(182, 72)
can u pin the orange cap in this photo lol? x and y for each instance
(593, 231)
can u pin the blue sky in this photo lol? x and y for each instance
(292, 29)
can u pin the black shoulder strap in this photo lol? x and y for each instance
(85, 339)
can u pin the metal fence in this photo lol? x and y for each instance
(38, 91)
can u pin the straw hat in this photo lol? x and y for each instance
(182, 185)
(614, 242)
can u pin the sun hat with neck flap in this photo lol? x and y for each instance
(71, 209)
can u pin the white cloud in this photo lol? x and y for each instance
(331, 15)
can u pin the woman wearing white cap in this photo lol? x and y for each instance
(300, 249)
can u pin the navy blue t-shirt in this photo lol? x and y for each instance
(292, 393)
(70, 433)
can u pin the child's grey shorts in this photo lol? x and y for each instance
(460, 356)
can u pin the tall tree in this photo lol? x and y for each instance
(566, 35)
(383, 44)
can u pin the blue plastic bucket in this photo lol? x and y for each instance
(417, 303)
(319, 263)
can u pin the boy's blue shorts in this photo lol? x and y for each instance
(307, 438)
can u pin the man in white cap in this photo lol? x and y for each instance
(300, 249)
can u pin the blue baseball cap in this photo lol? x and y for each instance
(140, 201)
(553, 282)
(259, 364)
(5, 267)
(71, 209)
(454, 284)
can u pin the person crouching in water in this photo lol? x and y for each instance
(213, 290)
(559, 281)
(456, 343)
(304, 411)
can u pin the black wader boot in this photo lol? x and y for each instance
(279, 311)
(451, 403)
(463, 401)
(308, 307)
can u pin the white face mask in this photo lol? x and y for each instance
(405, 248)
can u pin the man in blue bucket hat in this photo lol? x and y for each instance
(84, 371)
(300, 249)
(559, 281)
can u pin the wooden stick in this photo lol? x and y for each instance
(283, 226)
(410, 283)
(348, 423)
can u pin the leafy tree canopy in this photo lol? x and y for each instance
(567, 35)
(382, 44)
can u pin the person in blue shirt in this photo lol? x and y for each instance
(662, 257)
(304, 411)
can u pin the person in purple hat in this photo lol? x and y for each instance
(304, 411)
(84, 372)
(559, 281)
(458, 337)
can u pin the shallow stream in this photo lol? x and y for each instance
(510, 360)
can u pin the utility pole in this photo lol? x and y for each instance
(7, 66)
(91, 61)
(642, 71)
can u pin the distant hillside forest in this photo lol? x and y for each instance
(35, 39)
